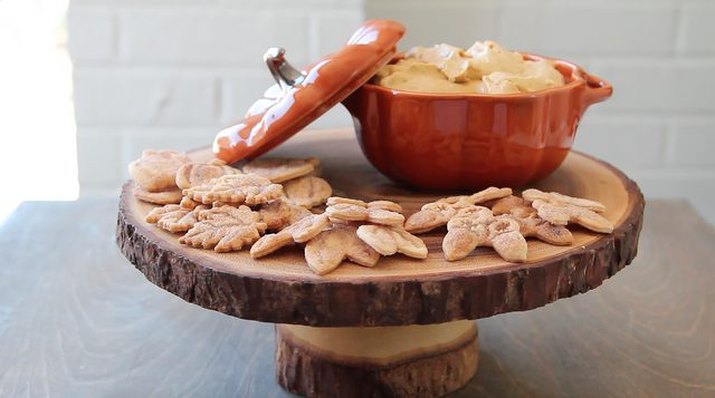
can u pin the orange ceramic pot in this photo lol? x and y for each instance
(471, 141)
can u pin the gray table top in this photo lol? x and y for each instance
(76, 319)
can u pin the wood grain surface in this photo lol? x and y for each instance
(434, 372)
(399, 290)
(77, 320)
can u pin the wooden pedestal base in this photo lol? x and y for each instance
(417, 360)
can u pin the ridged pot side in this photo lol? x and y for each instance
(465, 142)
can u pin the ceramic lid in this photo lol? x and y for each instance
(301, 97)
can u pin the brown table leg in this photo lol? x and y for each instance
(417, 360)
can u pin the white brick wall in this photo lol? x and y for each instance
(92, 30)
(428, 22)
(208, 36)
(589, 28)
(171, 72)
(138, 97)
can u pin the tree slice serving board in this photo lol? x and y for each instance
(398, 291)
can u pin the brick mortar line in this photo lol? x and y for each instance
(175, 71)
(120, 126)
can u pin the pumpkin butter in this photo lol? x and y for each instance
(484, 68)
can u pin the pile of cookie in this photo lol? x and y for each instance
(348, 229)
(496, 218)
(267, 205)
(223, 208)
(271, 203)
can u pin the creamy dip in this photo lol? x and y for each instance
(485, 68)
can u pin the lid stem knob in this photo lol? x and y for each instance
(285, 75)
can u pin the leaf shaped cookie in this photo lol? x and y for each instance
(436, 214)
(390, 240)
(531, 224)
(330, 248)
(561, 209)
(281, 169)
(237, 189)
(299, 232)
(173, 218)
(476, 226)
(224, 229)
(378, 212)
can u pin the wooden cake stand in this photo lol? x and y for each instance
(404, 327)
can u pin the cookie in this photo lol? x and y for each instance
(325, 252)
(381, 212)
(189, 204)
(389, 240)
(173, 218)
(437, 214)
(531, 225)
(299, 232)
(155, 170)
(307, 191)
(279, 213)
(281, 169)
(385, 205)
(192, 174)
(236, 189)
(171, 196)
(224, 229)
(334, 200)
(555, 197)
(560, 209)
(476, 226)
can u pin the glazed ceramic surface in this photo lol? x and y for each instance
(470, 141)
(424, 140)
(302, 96)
